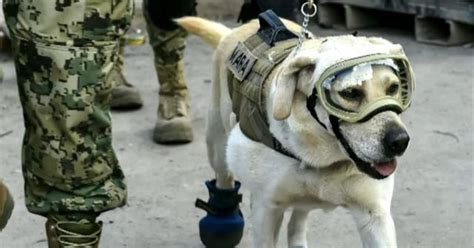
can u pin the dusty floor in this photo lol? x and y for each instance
(432, 204)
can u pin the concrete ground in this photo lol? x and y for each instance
(432, 203)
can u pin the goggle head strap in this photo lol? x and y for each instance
(311, 106)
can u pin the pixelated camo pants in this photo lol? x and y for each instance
(64, 51)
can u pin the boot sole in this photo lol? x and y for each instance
(215, 240)
(182, 138)
(126, 103)
(173, 134)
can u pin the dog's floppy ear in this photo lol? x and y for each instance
(286, 83)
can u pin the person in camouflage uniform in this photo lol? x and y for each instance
(64, 54)
(168, 42)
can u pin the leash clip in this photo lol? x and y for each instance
(306, 9)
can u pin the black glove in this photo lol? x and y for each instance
(162, 12)
(248, 12)
(287, 9)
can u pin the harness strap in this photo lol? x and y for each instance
(249, 66)
(311, 106)
(272, 29)
(362, 165)
(255, 125)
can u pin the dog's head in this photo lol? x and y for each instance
(355, 114)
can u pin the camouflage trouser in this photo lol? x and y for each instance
(64, 51)
(168, 45)
(168, 42)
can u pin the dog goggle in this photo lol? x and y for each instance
(357, 71)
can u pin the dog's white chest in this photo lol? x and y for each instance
(281, 178)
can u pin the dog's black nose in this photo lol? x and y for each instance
(395, 141)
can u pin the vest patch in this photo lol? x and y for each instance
(241, 61)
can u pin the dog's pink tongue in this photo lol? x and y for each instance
(386, 169)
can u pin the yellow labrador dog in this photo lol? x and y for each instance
(344, 144)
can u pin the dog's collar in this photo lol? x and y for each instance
(277, 146)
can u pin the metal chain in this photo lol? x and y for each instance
(305, 10)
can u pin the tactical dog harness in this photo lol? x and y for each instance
(254, 59)
(250, 64)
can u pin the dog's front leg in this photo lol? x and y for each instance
(266, 224)
(376, 227)
(297, 229)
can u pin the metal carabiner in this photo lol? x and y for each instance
(310, 5)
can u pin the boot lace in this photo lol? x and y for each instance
(86, 240)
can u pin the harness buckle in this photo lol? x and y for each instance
(272, 28)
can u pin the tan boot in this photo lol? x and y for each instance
(124, 95)
(174, 122)
(72, 234)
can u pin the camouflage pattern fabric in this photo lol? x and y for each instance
(120, 63)
(64, 51)
(168, 45)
